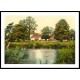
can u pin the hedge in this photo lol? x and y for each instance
(41, 44)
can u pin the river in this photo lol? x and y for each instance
(41, 56)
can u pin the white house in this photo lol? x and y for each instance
(35, 36)
(38, 37)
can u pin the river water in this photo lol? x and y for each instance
(41, 56)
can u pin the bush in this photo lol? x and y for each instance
(42, 44)
(66, 56)
(71, 44)
(18, 44)
(15, 55)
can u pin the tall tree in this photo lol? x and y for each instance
(29, 24)
(8, 30)
(18, 33)
(62, 30)
(47, 30)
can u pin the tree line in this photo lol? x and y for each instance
(25, 27)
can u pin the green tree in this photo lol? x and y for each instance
(29, 24)
(72, 34)
(8, 31)
(18, 33)
(47, 30)
(61, 31)
(45, 37)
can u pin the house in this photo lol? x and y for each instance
(35, 36)
(51, 37)
(38, 36)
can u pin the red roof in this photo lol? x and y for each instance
(36, 36)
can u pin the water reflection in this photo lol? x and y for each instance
(41, 56)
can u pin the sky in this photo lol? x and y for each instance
(42, 20)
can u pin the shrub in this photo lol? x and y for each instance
(14, 55)
(66, 56)
(42, 44)
(71, 44)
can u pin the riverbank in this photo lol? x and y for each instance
(41, 44)
(15, 52)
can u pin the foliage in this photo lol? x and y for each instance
(61, 31)
(20, 31)
(29, 24)
(66, 56)
(42, 44)
(47, 30)
(15, 56)
(72, 34)
(45, 37)
(8, 31)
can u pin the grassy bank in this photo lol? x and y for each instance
(41, 44)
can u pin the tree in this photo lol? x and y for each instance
(72, 34)
(47, 30)
(29, 24)
(8, 31)
(45, 37)
(61, 31)
(18, 33)
(22, 30)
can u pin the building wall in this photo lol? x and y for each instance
(32, 38)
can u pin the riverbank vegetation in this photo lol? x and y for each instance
(66, 56)
(16, 56)
(41, 44)
(15, 52)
